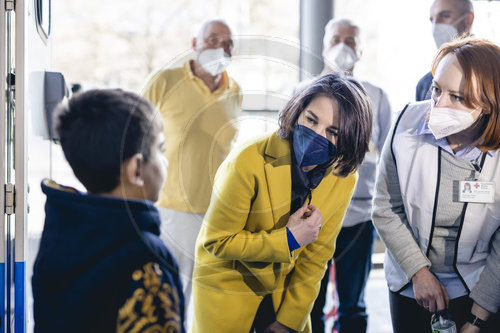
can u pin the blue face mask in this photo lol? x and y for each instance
(311, 148)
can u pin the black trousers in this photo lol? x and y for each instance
(353, 263)
(265, 315)
(409, 317)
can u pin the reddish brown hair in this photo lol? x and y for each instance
(480, 62)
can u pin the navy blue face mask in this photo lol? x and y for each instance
(311, 148)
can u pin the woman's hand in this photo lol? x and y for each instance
(479, 312)
(278, 327)
(469, 328)
(305, 224)
(429, 292)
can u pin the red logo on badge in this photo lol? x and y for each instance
(476, 185)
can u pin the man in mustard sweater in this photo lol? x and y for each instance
(197, 103)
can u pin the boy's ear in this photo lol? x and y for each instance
(132, 170)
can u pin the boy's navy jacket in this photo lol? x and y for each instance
(101, 267)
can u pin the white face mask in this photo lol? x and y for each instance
(445, 33)
(214, 61)
(341, 57)
(446, 121)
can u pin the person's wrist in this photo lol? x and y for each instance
(476, 321)
(418, 274)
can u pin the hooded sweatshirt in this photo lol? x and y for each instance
(101, 267)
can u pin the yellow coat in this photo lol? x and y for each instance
(242, 250)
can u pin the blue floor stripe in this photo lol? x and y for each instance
(20, 296)
(2, 297)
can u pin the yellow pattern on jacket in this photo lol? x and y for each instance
(198, 129)
(154, 305)
(242, 250)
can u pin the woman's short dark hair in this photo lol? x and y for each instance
(355, 118)
(100, 129)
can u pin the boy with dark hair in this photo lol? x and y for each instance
(101, 266)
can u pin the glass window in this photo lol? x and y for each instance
(122, 42)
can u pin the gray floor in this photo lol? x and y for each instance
(376, 297)
(377, 303)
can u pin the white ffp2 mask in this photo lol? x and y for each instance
(341, 57)
(214, 61)
(447, 121)
(445, 33)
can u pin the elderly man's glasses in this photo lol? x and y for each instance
(216, 41)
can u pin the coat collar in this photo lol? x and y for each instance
(226, 82)
(279, 179)
(278, 148)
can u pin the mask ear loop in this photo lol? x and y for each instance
(476, 109)
(480, 117)
(478, 123)
(460, 19)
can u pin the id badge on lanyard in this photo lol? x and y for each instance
(475, 191)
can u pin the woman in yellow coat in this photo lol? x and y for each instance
(276, 210)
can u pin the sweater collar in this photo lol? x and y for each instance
(68, 207)
(226, 82)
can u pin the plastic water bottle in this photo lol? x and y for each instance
(441, 322)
